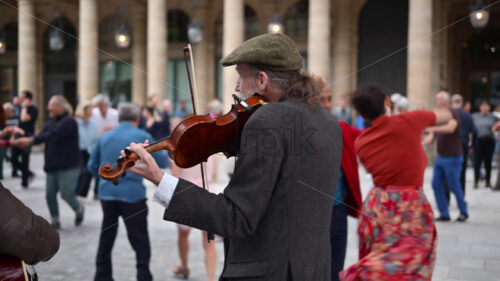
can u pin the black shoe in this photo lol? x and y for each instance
(462, 217)
(31, 177)
(15, 175)
(79, 216)
(441, 218)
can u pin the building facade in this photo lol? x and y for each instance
(414, 47)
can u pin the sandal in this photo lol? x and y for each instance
(181, 272)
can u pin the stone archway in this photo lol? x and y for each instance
(480, 67)
(383, 36)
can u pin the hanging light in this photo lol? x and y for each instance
(122, 33)
(479, 15)
(195, 32)
(56, 37)
(122, 37)
(275, 25)
(3, 43)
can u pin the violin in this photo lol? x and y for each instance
(195, 139)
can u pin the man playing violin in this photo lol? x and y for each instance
(274, 215)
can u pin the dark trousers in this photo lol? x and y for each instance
(135, 218)
(465, 149)
(85, 175)
(483, 152)
(338, 239)
(96, 186)
(23, 166)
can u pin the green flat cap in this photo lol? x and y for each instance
(277, 52)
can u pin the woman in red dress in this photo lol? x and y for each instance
(397, 235)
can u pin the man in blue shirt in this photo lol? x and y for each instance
(127, 200)
(87, 140)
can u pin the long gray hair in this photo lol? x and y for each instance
(297, 85)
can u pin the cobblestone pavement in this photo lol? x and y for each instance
(466, 251)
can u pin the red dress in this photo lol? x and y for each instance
(397, 235)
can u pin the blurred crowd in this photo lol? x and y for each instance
(78, 141)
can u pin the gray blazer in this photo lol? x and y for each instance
(275, 213)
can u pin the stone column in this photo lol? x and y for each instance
(88, 57)
(318, 42)
(420, 53)
(27, 56)
(343, 80)
(157, 48)
(233, 36)
(201, 54)
(139, 94)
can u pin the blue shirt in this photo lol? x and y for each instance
(130, 188)
(360, 122)
(87, 135)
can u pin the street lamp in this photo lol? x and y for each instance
(122, 33)
(56, 37)
(275, 25)
(122, 37)
(195, 32)
(479, 15)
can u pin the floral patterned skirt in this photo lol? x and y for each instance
(397, 237)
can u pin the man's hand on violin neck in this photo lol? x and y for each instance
(145, 166)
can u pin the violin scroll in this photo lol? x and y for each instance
(114, 173)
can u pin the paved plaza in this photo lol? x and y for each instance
(466, 251)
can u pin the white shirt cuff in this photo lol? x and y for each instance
(165, 191)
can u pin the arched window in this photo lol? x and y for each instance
(177, 26)
(10, 31)
(481, 67)
(60, 66)
(115, 76)
(383, 30)
(116, 80)
(252, 27)
(68, 33)
(8, 73)
(297, 20)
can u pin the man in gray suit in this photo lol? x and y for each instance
(275, 213)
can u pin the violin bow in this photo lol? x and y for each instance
(189, 51)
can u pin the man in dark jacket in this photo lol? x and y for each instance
(23, 234)
(275, 213)
(62, 159)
